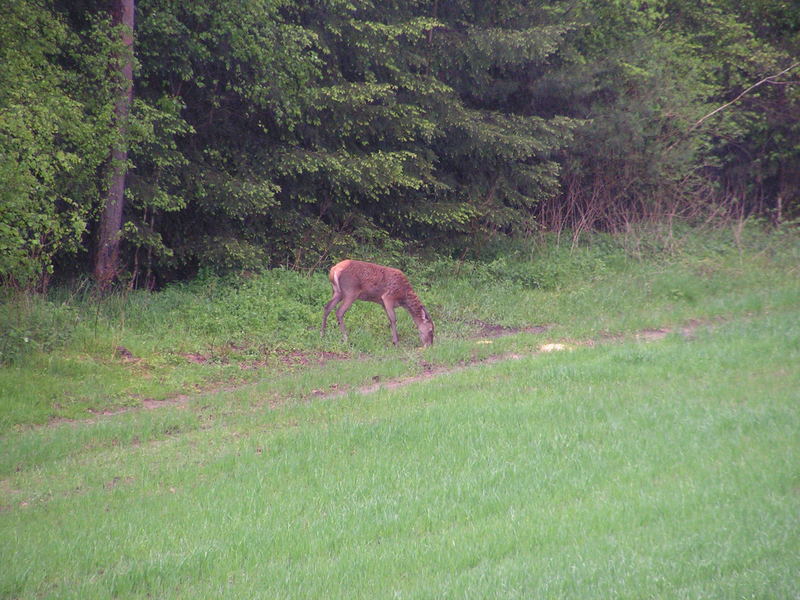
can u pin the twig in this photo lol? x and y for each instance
(768, 79)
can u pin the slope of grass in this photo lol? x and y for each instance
(623, 469)
(631, 470)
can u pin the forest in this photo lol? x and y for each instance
(146, 144)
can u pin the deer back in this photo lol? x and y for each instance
(368, 281)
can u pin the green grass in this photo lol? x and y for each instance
(624, 469)
(62, 360)
(632, 470)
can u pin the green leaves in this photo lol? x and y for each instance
(273, 131)
(48, 147)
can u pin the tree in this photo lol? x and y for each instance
(106, 261)
(52, 144)
(499, 142)
(641, 75)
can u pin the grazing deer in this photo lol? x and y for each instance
(355, 280)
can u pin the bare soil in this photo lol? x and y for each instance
(493, 330)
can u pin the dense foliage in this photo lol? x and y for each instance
(268, 132)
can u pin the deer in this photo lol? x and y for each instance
(356, 280)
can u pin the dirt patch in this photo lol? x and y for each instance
(294, 358)
(287, 358)
(179, 400)
(428, 372)
(193, 357)
(124, 354)
(687, 330)
(484, 329)
(651, 335)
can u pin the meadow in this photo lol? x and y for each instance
(235, 453)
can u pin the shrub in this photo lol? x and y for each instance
(30, 323)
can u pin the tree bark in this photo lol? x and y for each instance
(106, 265)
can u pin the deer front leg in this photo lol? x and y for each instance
(388, 306)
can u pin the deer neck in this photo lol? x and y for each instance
(416, 309)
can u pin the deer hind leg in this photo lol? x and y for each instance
(347, 302)
(337, 296)
(388, 306)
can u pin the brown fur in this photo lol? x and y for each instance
(355, 280)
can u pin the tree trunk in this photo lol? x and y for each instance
(106, 265)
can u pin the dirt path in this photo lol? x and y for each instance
(484, 334)
(430, 371)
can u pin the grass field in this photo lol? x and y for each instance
(634, 466)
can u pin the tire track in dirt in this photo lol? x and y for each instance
(484, 334)
(431, 371)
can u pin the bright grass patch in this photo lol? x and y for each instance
(663, 469)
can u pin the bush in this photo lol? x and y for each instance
(30, 323)
(276, 305)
